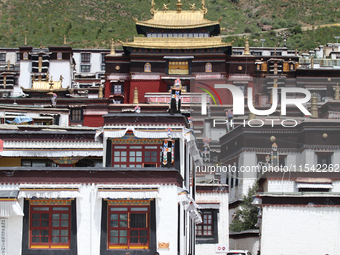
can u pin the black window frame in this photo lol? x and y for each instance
(214, 237)
(72, 113)
(83, 68)
(2, 56)
(85, 57)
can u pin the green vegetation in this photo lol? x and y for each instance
(91, 24)
(246, 216)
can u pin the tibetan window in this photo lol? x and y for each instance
(147, 68)
(137, 155)
(50, 224)
(2, 57)
(85, 68)
(76, 115)
(128, 225)
(178, 67)
(85, 57)
(206, 232)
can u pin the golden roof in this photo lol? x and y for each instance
(176, 42)
(177, 20)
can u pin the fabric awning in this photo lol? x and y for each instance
(315, 185)
(49, 193)
(209, 206)
(135, 193)
(10, 207)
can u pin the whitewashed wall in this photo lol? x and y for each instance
(300, 230)
(166, 218)
(25, 74)
(61, 67)
(222, 222)
(251, 244)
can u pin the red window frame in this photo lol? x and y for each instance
(205, 229)
(49, 225)
(136, 155)
(120, 234)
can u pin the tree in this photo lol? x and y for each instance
(246, 215)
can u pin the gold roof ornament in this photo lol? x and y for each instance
(112, 47)
(153, 10)
(246, 47)
(314, 107)
(204, 9)
(176, 42)
(8, 64)
(64, 39)
(25, 39)
(192, 7)
(165, 7)
(179, 5)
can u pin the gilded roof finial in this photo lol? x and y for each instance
(179, 5)
(246, 47)
(153, 10)
(64, 39)
(312, 62)
(8, 65)
(314, 106)
(192, 7)
(336, 96)
(165, 7)
(112, 47)
(204, 8)
(275, 51)
(41, 44)
(26, 39)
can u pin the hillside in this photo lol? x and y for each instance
(91, 23)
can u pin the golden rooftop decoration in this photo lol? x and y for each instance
(100, 92)
(204, 8)
(64, 39)
(179, 5)
(192, 7)
(176, 42)
(8, 65)
(246, 48)
(165, 7)
(314, 107)
(153, 10)
(135, 96)
(25, 40)
(112, 47)
(48, 84)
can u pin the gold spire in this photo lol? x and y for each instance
(135, 96)
(179, 5)
(275, 51)
(246, 48)
(64, 39)
(8, 65)
(100, 92)
(192, 7)
(165, 7)
(312, 62)
(153, 10)
(112, 48)
(314, 107)
(336, 96)
(204, 8)
(25, 39)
